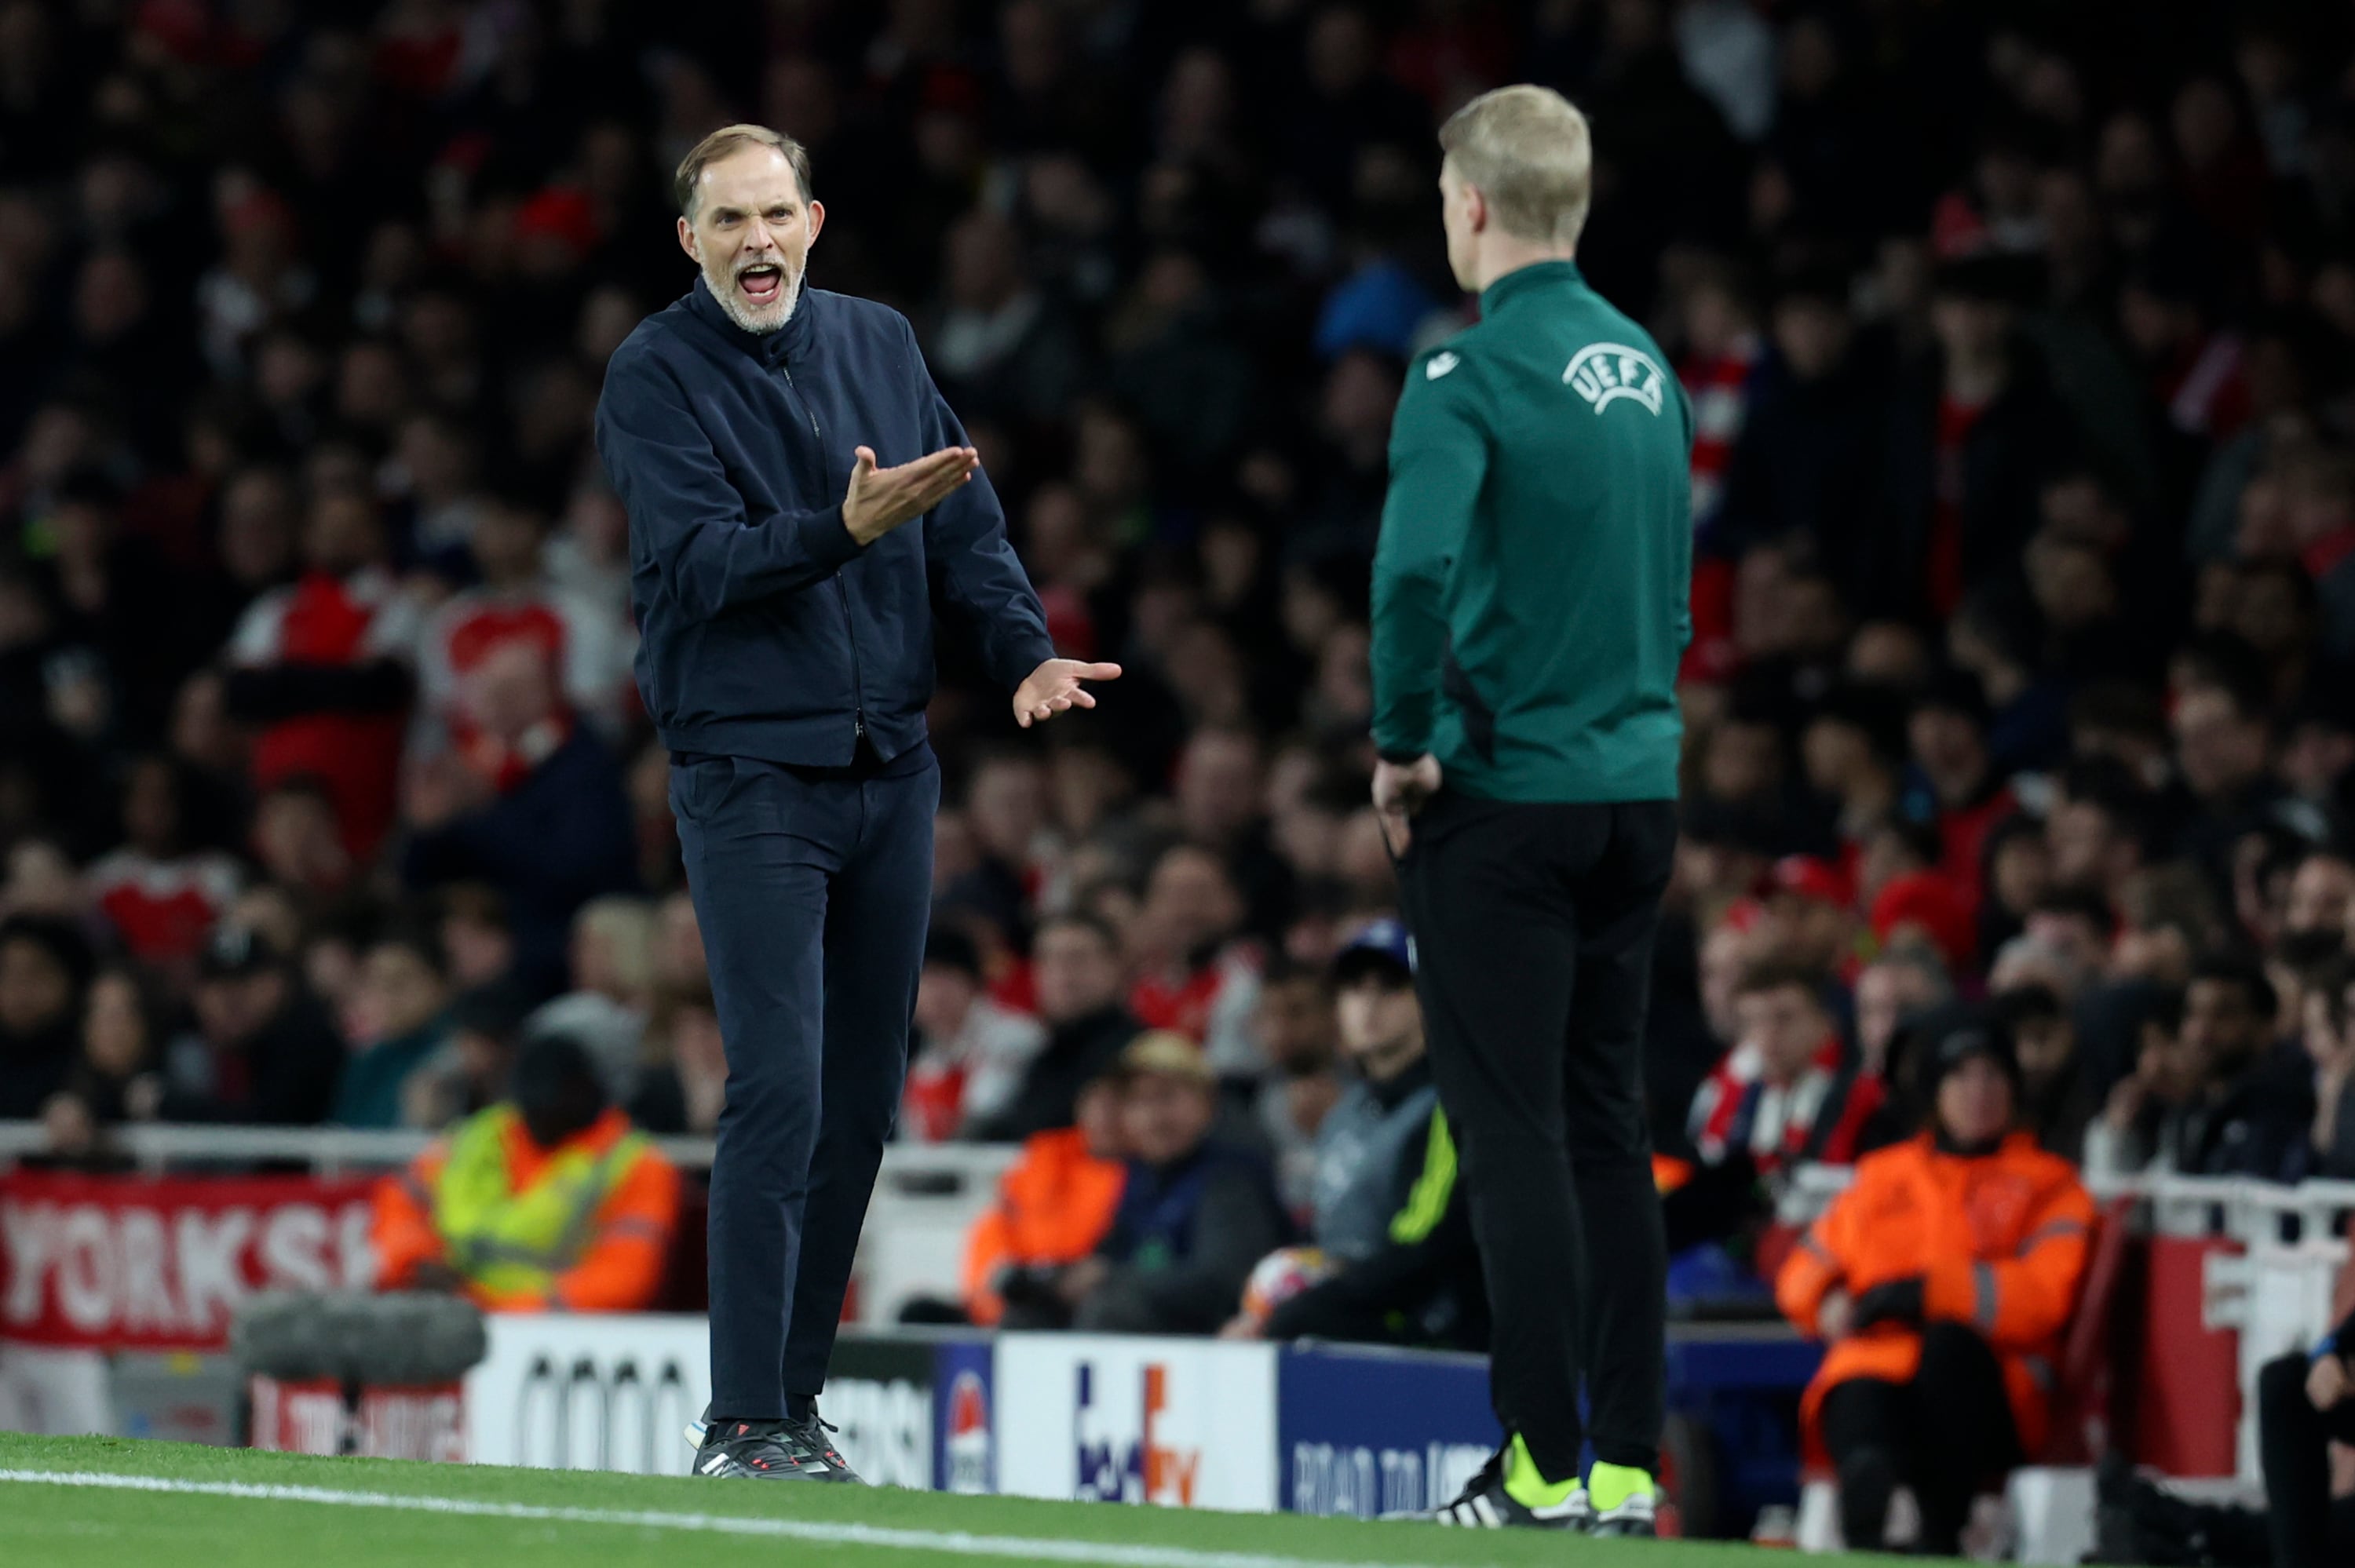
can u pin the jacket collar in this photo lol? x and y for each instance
(788, 343)
(1536, 276)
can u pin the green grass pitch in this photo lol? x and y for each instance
(162, 1505)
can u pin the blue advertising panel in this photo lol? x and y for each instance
(1367, 1432)
(964, 1419)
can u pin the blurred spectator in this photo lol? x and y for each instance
(545, 1201)
(684, 1084)
(1388, 1219)
(2328, 1036)
(1195, 973)
(1786, 1091)
(533, 806)
(2056, 1100)
(476, 933)
(1054, 1205)
(159, 890)
(1075, 961)
(1893, 991)
(323, 666)
(1194, 1213)
(970, 1053)
(122, 1042)
(45, 964)
(2207, 1096)
(1296, 1032)
(397, 1024)
(613, 966)
(263, 1049)
(515, 604)
(487, 1024)
(1937, 1327)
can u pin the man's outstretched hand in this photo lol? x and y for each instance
(1055, 686)
(880, 499)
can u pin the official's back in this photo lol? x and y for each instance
(1537, 552)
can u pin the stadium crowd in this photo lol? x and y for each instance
(2020, 341)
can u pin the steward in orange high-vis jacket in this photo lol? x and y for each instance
(547, 1202)
(1943, 1279)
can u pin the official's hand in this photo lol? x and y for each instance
(880, 499)
(1835, 1317)
(2327, 1383)
(1399, 791)
(1054, 687)
(1243, 1326)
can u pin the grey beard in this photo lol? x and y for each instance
(732, 304)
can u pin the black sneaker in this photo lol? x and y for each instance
(756, 1450)
(1484, 1504)
(812, 1445)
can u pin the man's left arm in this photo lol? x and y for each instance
(971, 562)
(1439, 459)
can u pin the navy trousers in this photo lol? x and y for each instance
(813, 886)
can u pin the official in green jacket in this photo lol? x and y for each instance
(1530, 606)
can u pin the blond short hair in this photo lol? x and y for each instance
(1527, 150)
(724, 142)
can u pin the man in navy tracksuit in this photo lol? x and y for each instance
(801, 501)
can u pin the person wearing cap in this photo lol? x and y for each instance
(264, 1050)
(1941, 1282)
(547, 1202)
(1531, 606)
(1195, 1214)
(1389, 1215)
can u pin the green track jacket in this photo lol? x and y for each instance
(1531, 588)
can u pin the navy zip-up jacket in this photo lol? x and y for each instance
(765, 630)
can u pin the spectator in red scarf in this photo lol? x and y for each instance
(533, 806)
(1785, 1093)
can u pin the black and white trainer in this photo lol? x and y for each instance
(812, 1441)
(755, 1450)
(1484, 1504)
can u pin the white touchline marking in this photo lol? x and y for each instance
(952, 1543)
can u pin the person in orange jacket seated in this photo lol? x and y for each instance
(547, 1202)
(1943, 1280)
(1054, 1204)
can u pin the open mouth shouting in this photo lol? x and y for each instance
(761, 285)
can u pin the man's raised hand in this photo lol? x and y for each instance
(1054, 687)
(880, 499)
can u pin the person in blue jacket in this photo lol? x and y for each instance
(801, 502)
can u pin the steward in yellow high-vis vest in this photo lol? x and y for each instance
(547, 1202)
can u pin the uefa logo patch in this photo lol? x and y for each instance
(1604, 372)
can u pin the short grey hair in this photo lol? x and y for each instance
(686, 183)
(1528, 150)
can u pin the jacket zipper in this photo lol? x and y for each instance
(842, 591)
